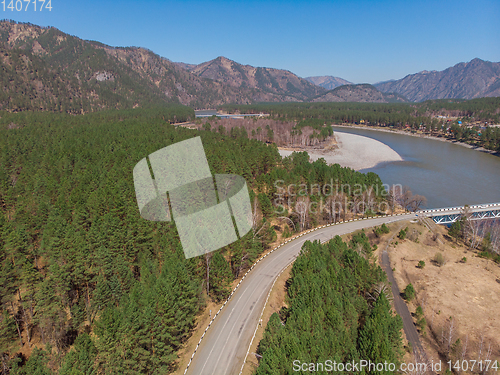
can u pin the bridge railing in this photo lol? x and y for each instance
(449, 215)
(459, 208)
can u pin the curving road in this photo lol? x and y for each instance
(225, 344)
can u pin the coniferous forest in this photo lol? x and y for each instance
(333, 313)
(89, 287)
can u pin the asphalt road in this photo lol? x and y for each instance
(224, 347)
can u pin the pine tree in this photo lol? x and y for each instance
(455, 229)
(8, 337)
(380, 338)
(220, 277)
(36, 364)
(81, 359)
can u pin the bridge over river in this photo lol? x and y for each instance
(451, 214)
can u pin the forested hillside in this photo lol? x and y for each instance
(85, 282)
(47, 69)
(334, 312)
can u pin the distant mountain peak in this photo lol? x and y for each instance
(280, 82)
(328, 82)
(364, 92)
(467, 80)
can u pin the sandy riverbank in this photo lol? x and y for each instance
(354, 151)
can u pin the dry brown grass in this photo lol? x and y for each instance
(469, 292)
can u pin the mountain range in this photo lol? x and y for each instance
(46, 69)
(469, 80)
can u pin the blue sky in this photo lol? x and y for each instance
(361, 41)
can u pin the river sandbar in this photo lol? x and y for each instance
(354, 151)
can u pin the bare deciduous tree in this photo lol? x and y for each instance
(463, 353)
(416, 202)
(256, 220)
(302, 210)
(475, 238)
(495, 236)
(369, 199)
(403, 196)
(289, 220)
(490, 230)
(447, 335)
(334, 207)
(380, 288)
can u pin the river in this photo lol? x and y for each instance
(445, 173)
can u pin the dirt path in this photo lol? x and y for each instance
(401, 308)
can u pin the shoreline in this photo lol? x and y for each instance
(402, 132)
(354, 151)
